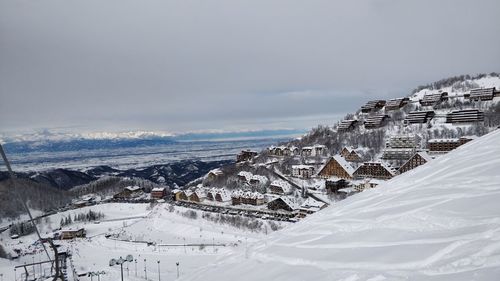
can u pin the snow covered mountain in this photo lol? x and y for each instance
(440, 221)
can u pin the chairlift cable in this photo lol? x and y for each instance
(12, 179)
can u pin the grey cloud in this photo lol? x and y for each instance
(184, 65)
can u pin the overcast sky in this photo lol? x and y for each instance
(228, 65)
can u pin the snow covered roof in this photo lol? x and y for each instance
(284, 185)
(133, 188)
(216, 172)
(312, 204)
(224, 194)
(300, 167)
(247, 194)
(246, 175)
(158, 189)
(288, 201)
(252, 195)
(384, 165)
(388, 167)
(237, 193)
(72, 229)
(424, 155)
(443, 140)
(259, 178)
(200, 192)
(349, 148)
(342, 162)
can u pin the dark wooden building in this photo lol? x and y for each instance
(376, 121)
(419, 117)
(396, 104)
(334, 185)
(397, 153)
(350, 154)
(445, 145)
(481, 94)
(282, 203)
(465, 116)
(158, 193)
(280, 187)
(376, 170)
(418, 159)
(338, 167)
(71, 233)
(434, 99)
(373, 105)
(347, 125)
(246, 155)
(129, 192)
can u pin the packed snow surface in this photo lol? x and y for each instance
(440, 221)
(161, 233)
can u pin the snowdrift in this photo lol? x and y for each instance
(440, 221)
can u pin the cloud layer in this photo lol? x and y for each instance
(194, 65)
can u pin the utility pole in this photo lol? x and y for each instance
(145, 271)
(177, 264)
(158, 270)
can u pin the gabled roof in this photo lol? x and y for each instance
(237, 193)
(200, 193)
(261, 179)
(424, 155)
(388, 167)
(342, 162)
(288, 201)
(216, 172)
(384, 165)
(245, 174)
(224, 194)
(348, 148)
(252, 195)
(285, 186)
(312, 204)
(158, 189)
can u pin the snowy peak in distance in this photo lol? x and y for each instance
(48, 135)
(439, 221)
(46, 141)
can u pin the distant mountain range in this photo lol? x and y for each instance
(172, 174)
(48, 141)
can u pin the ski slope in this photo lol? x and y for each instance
(440, 221)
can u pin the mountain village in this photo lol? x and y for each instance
(265, 190)
(292, 180)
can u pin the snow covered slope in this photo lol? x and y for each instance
(440, 221)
